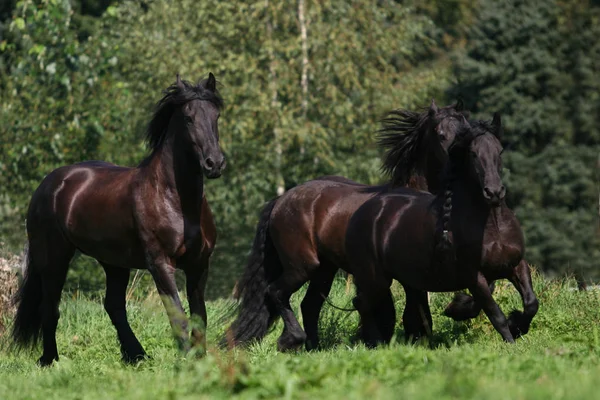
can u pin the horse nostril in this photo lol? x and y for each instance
(209, 163)
(488, 192)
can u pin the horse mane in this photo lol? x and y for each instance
(400, 137)
(174, 96)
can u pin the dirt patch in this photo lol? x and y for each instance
(9, 281)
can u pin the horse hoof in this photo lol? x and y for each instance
(291, 343)
(134, 358)
(517, 324)
(46, 361)
(311, 345)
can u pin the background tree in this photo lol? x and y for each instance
(305, 83)
(73, 96)
(537, 63)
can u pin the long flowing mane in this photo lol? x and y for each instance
(174, 96)
(400, 137)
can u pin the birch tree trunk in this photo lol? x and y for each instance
(274, 102)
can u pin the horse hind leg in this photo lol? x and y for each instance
(51, 261)
(117, 280)
(318, 290)
(293, 336)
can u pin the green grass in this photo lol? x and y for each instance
(558, 359)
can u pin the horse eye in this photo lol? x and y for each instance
(188, 119)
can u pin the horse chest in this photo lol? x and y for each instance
(498, 259)
(178, 234)
(502, 247)
(190, 239)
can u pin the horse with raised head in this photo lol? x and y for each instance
(300, 235)
(463, 238)
(152, 217)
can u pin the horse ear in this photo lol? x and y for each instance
(460, 106)
(433, 108)
(465, 120)
(211, 82)
(179, 83)
(497, 124)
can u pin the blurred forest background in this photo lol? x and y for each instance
(305, 83)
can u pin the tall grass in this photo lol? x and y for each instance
(557, 359)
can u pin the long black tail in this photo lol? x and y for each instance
(27, 326)
(256, 311)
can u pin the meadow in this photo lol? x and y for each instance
(558, 359)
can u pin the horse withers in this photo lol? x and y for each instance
(152, 217)
(463, 238)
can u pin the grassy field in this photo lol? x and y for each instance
(558, 359)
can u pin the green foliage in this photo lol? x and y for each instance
(92, 98)
(79, 79)
(557, 359)
(535, 62)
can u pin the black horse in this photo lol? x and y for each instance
(465, 237)
(151, 217)
(300, 235)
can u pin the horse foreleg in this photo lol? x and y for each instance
(195, 284)
(464, 307)
(519, 321)
(375, 305)
(483, 296)
(164, 278)
(114, 304)
(417, 315)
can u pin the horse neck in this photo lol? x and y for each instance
(469, 206)
(175, 169)
(432, 172)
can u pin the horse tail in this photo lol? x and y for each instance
(27, 326)
(256, 310)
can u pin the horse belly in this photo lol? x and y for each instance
(414, 261)
(432, 278)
